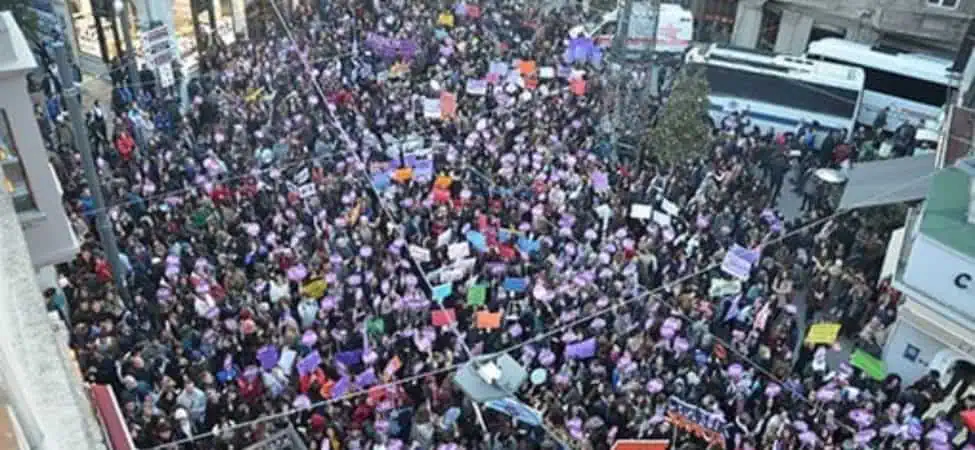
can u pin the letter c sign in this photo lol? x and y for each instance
(963, 280)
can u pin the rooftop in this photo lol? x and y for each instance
(945, 217)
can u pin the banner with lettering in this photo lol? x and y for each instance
(704, 424)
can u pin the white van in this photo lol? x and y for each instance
(674, 33)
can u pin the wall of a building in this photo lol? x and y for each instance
(50, 236)
(909, 350)
(908, 24)
(36, 375)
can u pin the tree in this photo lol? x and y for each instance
(682, 130)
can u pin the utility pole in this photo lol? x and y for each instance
(122, 9)
(617, 60)
(102, 223)
(618, 53)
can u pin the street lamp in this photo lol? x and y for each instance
(122, 11)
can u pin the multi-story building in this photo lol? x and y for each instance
(93, 28)
(41, 390)
(787, 26)
(931, 261)
(28, 176)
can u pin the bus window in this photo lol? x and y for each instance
(896, 85)
(780, 91)
(907, 88)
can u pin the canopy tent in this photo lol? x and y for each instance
(889, 181)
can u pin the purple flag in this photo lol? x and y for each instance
(596, 56)
(581, 350)
(341, 387)
(309, 363)
(600, 181)
(268, 357)
(367, 378)
(349, 358)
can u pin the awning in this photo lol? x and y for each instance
(889, 181)
(893, 254)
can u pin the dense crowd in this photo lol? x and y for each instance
(340, 208)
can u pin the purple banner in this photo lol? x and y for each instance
(341, 387)
(268, 357)
(582, 350)
(349, 358)
(309, 363)
(367, 378)
(391, 48)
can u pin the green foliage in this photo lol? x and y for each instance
(26, 18)
(682, 130)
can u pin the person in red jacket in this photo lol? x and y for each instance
(125, 145)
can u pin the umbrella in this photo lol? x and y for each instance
(830, 176)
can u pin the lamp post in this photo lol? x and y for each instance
(121, 9)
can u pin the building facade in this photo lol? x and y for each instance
(38, 381)
(787, 26)
(94, 30)
(935, 328)
(28, 176)
(932, 263)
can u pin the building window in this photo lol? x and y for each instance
(15, 180)
(944, 3)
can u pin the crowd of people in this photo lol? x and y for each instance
(341, 219)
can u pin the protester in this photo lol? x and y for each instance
(289, 247)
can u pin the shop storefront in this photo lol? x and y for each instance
(191, 24)
(935, 271)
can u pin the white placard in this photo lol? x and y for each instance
(604, 211)
(307, 190)
(476, 87)
(419, 253)
(641, 211)
(287, 360)
(302, 176)
(670, 207)
(445, 237)
(661, 219)
(431, 108)
(450, 275)
(546, 73)
(465, 264)
(166, 77)
(458, 250)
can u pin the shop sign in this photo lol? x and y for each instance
(925, 272)
(963, 280)
(157, 46)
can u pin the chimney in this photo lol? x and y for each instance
(968, 166)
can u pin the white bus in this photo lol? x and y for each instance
(779, 92)
(914, 86)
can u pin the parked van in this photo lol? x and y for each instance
(674, 32)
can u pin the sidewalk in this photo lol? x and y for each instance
(96, 89)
